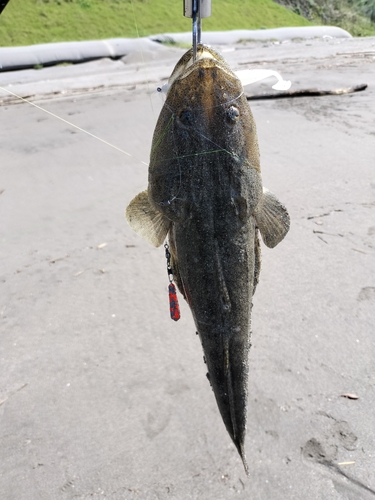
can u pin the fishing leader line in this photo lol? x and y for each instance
(103, 140)
(142, 56)
(169, 124)
(72, 125)
(80, 128)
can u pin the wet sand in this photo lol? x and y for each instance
(102, 395)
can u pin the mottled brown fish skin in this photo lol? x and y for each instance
(204, 175)
(205, 192)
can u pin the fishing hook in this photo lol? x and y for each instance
(197, 9)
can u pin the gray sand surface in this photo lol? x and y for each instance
(102, 396)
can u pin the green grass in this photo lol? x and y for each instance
(26, 22)
(355, 16)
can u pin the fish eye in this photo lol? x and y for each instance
(185, 117)
(232, 115)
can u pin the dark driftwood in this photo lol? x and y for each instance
(306, 93)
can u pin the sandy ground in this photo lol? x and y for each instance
(102, 396)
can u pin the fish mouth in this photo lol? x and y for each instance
(206, 58)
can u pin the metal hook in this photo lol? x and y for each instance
(197, 9)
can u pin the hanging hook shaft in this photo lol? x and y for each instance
(197, 9)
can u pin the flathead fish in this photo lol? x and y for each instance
(205, 193)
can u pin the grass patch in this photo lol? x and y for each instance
(26, 22)
(355, 16)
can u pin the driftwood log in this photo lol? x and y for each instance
(306, 93)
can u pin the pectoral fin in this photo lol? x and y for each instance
(272, 219)
(146, 221)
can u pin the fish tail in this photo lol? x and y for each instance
(228, 373)
(241, 451)
(237, 437)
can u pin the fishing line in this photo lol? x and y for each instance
(218, 145)
(201, 153)
(169, 201)
(72, 125)
(80, 128)
(187, 155)
(169, 124)
(143, 60)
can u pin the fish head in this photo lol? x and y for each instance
(204, 91)
(205, 126)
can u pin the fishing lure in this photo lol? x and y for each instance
(174, 306)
